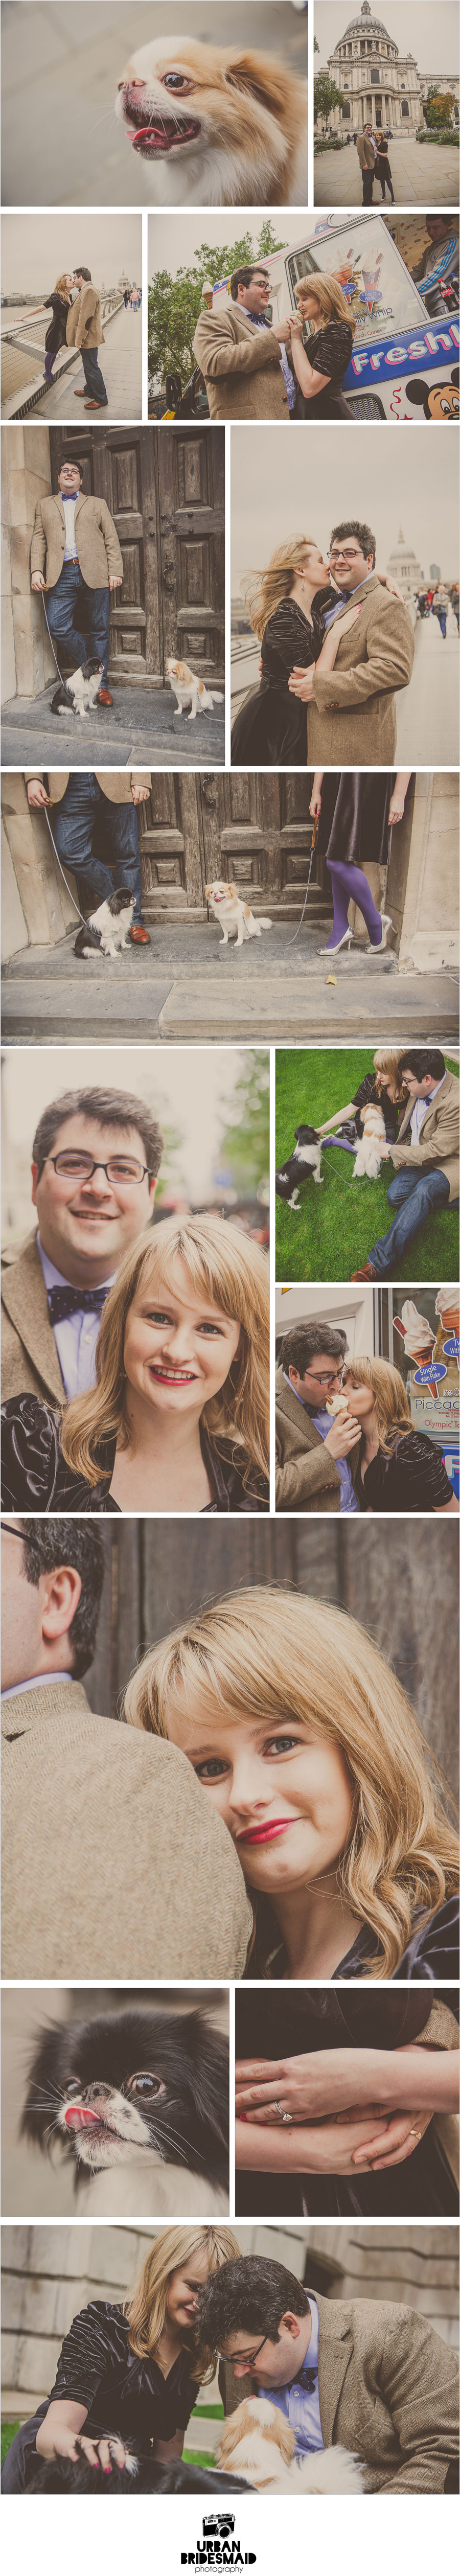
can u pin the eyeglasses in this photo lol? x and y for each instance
(322, 1381)
(248, 2357)
(12, 1533)
(79, 1167)
(344, 554)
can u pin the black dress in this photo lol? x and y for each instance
(291, 2024)
(329, 350)
(413, 1479)
(353, 823)
(271, 729)
(122, 2393)
(35, 1476)
(432, 1953)
(55, 336)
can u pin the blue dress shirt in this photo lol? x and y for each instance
(300, 2400)
(76, 1338)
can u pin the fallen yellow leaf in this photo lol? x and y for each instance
(331, 979)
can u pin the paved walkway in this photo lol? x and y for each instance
(185, 986)
(121, 366)
(427, 712)
(141, 726)
(423, 174)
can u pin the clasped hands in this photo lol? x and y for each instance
(325, 2092)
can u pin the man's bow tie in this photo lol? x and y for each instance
(75, 1301)
(307, 2379)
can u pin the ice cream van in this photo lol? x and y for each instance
(405, 357)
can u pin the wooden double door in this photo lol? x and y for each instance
(256, 831)
(165, 491)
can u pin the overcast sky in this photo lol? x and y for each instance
(38, 248)
(391, 482)
(417, 27)
(174, 239)
(181, 1092)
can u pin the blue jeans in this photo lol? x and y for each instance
(93, 378)
(71, 595)
(416, 1195)
(85, 817)
(441, 614)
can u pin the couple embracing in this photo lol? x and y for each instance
(336, 643)
(76, 324)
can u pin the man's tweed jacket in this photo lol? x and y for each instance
(352, 716)
(438, 1141)
(388, 2389)
(114, 1864)
(241, 366)
(84, 326)
(307, 1477)
(365, 151)
(96, 541)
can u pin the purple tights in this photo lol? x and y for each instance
(349, 881)
(49, 363)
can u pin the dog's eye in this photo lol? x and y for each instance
(176, 80)
(72, 2084)
(147, 2087)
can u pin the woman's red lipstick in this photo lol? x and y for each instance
(266, 1833)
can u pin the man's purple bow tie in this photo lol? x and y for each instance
(307, 2379)
(75, 1301)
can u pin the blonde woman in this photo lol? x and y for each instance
(129, 2369)
(383, 1085)
(321, 366)
(178, 1418)
(286, 611)
(304, 1740)
(59, 304)
(399, 1469)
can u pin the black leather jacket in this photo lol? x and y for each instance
(35, 1476)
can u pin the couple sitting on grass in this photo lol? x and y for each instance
(367, 1457)
(419, 1099)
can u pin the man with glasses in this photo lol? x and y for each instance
(370, 2374)
(95, 829)
(316, 1455)
(352, 709)
(242, 356)
(95, 1161)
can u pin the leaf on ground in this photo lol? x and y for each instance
(331, 979)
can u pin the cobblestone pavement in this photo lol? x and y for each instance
(423, 174)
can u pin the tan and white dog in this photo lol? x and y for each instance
(369, 1155)
(185, 685)
(228, 908)
(220, 126)
(258, 2443)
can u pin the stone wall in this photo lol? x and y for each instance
(423, 880)
(36, 905)
(27, 660)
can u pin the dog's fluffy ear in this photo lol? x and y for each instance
(261, 77)
(281, 2432)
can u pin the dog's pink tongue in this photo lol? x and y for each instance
(80, 2119)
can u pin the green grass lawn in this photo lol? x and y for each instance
(332, 1234)
(8, 2431)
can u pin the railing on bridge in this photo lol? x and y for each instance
(19, 335)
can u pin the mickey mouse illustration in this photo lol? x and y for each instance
(440, 402)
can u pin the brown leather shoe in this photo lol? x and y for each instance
(366, 1273)
(141, 936)
(79, 393)
(95, 406)
(104, 698)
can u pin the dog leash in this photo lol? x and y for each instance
(313, 840)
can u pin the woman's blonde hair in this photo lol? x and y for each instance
(329, 296)
(393, 1417)
(228, 1271)
(262, 1654)
(386, 1060)
(276, 582)
(61, 285)
(146, 2309)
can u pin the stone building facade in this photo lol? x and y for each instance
(381, 86)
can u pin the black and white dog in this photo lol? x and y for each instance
(78, 696)
(129, 2089)
(107, 928)
(302, 1165)
(139, 2477)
